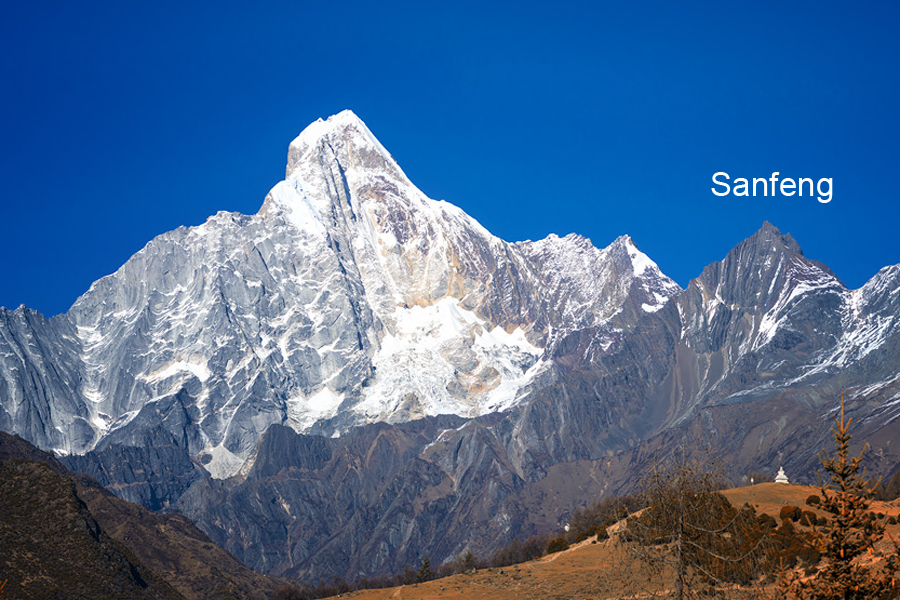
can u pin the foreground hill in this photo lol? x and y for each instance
(54, 548)
(67, 537)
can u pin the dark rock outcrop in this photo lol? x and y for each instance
(65, 536)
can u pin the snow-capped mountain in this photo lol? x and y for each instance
(358, 376)
(349, 298)
(768, 318)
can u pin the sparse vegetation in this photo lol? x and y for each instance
(50, 543)
(597, 517)
(519, 552)
(789, 512)
(690, 531)
(465, 562)
(289, 592)
(585, 522)
(886, 491)
(557, 545)
(789, 547)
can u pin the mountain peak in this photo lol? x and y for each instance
(640, 262)
(763, 269)
(344, 133)
(770, 235)
(342, 121)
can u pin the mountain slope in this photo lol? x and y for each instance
(60, 551)
(86, 543)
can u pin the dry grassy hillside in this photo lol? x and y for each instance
(589, 570)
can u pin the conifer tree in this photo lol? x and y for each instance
(425, 572)
(848, 540)
(468, 561)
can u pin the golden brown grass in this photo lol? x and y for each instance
(587, 570)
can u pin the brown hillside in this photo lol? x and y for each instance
(588, 570)
(65, 536)
(769, 498)
(173, 548)
(52, 548)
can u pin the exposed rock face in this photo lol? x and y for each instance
(39, 371)
(349, 298)
(353, 300)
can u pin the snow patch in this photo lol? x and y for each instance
(444, 359)
(197, 368)
(224, 463)
(640, 262)
(298, 207)
(304, 412)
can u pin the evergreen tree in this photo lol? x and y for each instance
(468, 561)
(425, 572)
(847, 541)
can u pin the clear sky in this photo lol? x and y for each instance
(123, 120)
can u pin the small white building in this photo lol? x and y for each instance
(781, 477)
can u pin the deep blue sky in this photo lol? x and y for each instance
(121, 121)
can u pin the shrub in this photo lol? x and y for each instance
(790, 512)
(892, 520)
(557, 545)
(593, 519)
(790, 545)
(767, 521)
(519, 552)
(290, 592)
(889, 490)
(465, 562)
(813, 500)
(808, 518)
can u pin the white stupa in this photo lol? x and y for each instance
(781, 477)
